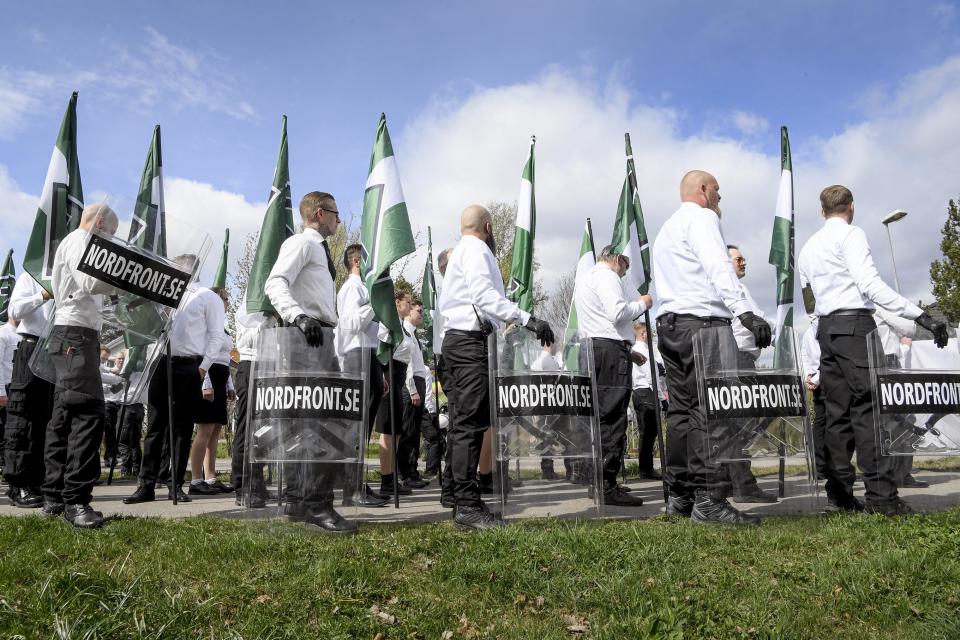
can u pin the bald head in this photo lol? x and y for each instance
(701, 188)
(100, 217)
(474, 219)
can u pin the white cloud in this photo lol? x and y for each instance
(18, 211)
(454, 154)
(749, 124)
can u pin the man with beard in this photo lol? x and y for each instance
(473, 304)
(698, 289)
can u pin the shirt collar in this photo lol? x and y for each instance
(835, 221)
(313, 235)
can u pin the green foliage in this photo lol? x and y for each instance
(803, 577)
(945, 273)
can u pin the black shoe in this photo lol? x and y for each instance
(181, 496)
(366, 499)
(844, 505)
(251, 501)
(474, 518)
(51, 508)
(679, 505)
(202, 489)
(82, 516)
(25, 498)
(755, 495)
(618, 497)
(912, 483)
(221, 487)
(447, 501)
(386, 487)
(327, 520)
(708, 510)
(144, 493)
(890, 508)
(651, 475)
(415, 483)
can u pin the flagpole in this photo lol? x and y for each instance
(395, 434)
(593, 246)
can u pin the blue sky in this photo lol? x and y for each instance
(716, 78)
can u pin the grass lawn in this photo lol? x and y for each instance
(810, 577)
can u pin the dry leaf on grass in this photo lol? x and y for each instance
(383, 615)
(262, 598)
(576, 624)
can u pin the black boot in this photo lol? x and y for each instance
(710, 510)
(82, 516)
(386, 486)
(679, 505)
(25, 498)
(144, 493)
(51, 508)
(327, 520)
(181, 496)
(474, 518)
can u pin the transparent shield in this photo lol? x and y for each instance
(305, 427)
(546, 436)
(756, 424)
(141, 279)
(916, 407)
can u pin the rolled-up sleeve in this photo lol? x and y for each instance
(290, 262)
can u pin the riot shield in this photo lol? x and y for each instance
(305, 427)
(756, 425)
(142, 279)
(915, 407)
(545, 430)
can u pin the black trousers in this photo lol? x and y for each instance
(128, 438)
(29, 406)
(819, 428)
(688, 465)
(243, 382)
(186, 393)
(110, 431)
(644, 407)
(741, 476)
(434, 441)
(449, 390)
(845, 379)
(612, 366)
(900, 466)
(353, 363)
(408, 448)
(72, 448)
(397, 385)
(465, 354)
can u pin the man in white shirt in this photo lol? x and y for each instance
(606, 315)
(745, 488)
(390, 420)
(196, 335)
(30, 399)
(644, 403)
(698, 289)
(72, 449)
(302, 289)
(414, 398)
(547, 361)
(112, 397)
(8, 346)
(446, 382)
(841, 285)
(810, 356)
(472, 305)
(357, 343)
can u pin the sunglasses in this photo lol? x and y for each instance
(333, 211)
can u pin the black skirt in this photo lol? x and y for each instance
(215, 411)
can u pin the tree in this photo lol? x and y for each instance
(556, 308)
(504, 220)
(945, 273)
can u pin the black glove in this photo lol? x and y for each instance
(542, 329)
(311, 328)
(758, 327)
(116, 387)
(937, 327)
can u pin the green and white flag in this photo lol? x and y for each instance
(584, 263)
(148, 229)
(782, 243)
(61, 201)
(220, 279)
(277, 226)
(385, 237)
(8, 278)
(521, 267)
(629, 232)
(428, 295)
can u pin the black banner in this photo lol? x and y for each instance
(918, 393)
(544, 394)
(755, 396)
(307, 398)
(131, 271)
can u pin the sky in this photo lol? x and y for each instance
(870, 92)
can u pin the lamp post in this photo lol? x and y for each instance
(893, 216)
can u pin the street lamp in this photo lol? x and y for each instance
(893, 216)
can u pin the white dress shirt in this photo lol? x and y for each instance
(545, 362)
(474, 282)
(641, 373)
(224, 358)
(110, 377)
(692, 269)
(837, 264)
(417, 367)
(248, 326)
(604, 309)
(357, 327)
(746, 341)
(300, 281)
(810, 353)
(8, 345)
(439, 327)
(79, 297)
(890, 328)
(28, 307)
(429, 403)
(197, 328)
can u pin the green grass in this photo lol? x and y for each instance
(841, 577)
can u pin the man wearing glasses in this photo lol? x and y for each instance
(606, 317)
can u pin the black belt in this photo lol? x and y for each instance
(671, 318)
(186, 358)
(467, 333)
(849, 312)
(620, 343)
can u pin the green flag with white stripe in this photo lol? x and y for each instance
(782, 243)
(277, 226)
(521, 267)
(61, 201)
(8, 278)
(629, 231)
(148, 229)
(584, 263)
(220, 279)
(385, 237)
